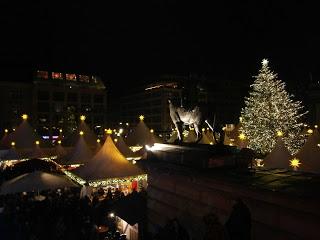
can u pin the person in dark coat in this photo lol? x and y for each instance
(239, 223)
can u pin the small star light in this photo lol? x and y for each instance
(13, 144)
(141, 117)
(310, 131)
(24, 116)
(37, 142)
(203, 129)
(60, 130)
(265, 62)
(151, 130)
(98, 140)
(279, 133)
(81, 133)
(242, 136)
(115, 140)
(59, 141)
(315, 126)
(295, 163)
(109, 131)
(6, 131)
(82, 117)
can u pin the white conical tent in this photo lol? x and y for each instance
(80, 154)
(192, 137)
(140, 135)
(35, 181)
(173, 137)
(124, 149)
(24, 136)
(309, 154)
(204, 139)
(108, 163)
(279, 157)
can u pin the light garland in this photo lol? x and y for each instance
(114, 181)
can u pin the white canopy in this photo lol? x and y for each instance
(279, 157)
(108, 163)
(35, 181)
(309, 154)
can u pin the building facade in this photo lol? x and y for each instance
(52, 98)
(152, 102)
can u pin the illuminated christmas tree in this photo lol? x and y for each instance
(270, 113)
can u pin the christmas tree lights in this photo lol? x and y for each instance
(268, 112)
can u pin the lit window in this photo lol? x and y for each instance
(42, 74)
(71, 77)
(57, 75)
(84, 78)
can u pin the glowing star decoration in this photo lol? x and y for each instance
(81, 133)
(310, 131)
(203, 129)
(295, 163)
(141, 117)
(115, 140)
(13, 144)
(37, 142)
(121, 130)
(98, 140)
(265, 62)
(24, 116)
(59, 141)
(279, 133)
(6, 131)
(242, 136)
(82, 117)
(211, 143)
(315, 126)
(109, 131)
(151, 130)
(240, 119)
(127, 124)
(60, 130)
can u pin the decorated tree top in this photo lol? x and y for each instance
(269, 110)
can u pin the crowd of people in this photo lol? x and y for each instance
(60, 214)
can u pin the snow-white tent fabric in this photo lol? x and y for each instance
(309, 154)
(279, 157)
(124, 149)
(35, 181)
(140, 136)
(107, 163)
(81, 153)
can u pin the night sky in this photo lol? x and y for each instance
(133, 40)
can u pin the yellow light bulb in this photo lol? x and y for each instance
(82, 117)
(24, 116)
(242, 136)
(6, 131)
(59, 141)
(295, 163)
(115, 140)
(141, 117)
(13, 144)
(279, 133)
(37, 142)
(60, 130)
(315, 126)
(98, 140)
(310, 131)
(151, 130)
(81, 133)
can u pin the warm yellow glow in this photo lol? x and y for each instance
(315, 126)
(240, 119)
(310, 131)
(127, 124)
(242, 136)
(141, 117)
(6, 131)
(115, 140)
(279, 133)
(109, 131)
(203, 129)
(60, 130)
(24, 116)
(37, 142)
(59, 141)
(134, 161)
(211, 143)
(82, 117)
(121, 130)
(81, 133)
(151, 130)
(13, 144)
(295, 163)
(98, 140)
(13, 129)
